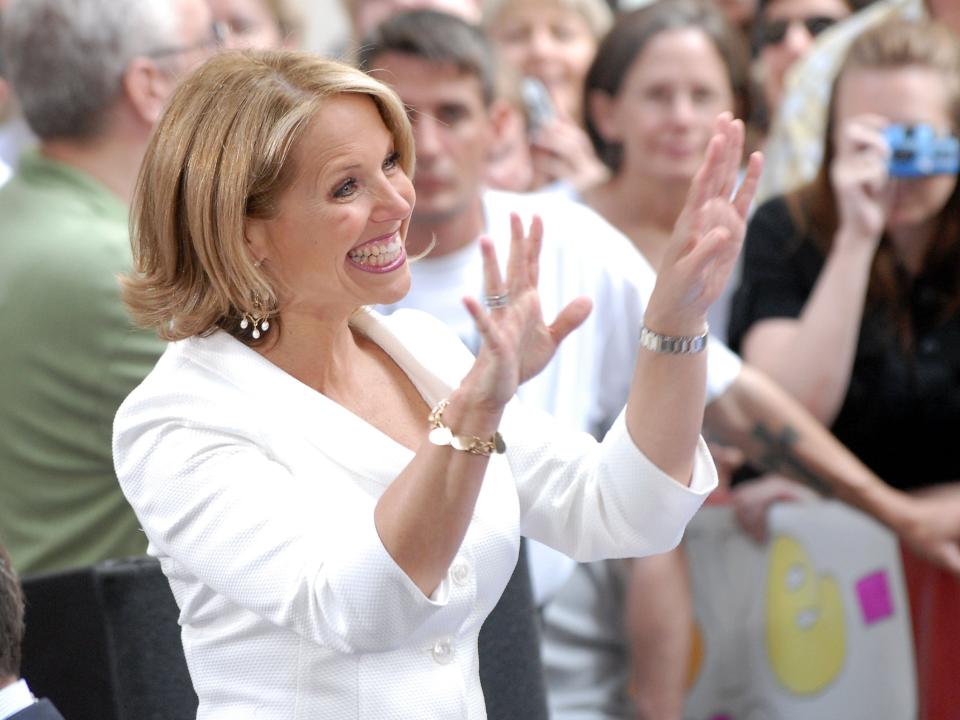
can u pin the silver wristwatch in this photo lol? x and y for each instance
(673, 344)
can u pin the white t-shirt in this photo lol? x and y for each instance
(587, 382)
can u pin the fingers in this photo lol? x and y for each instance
(751, 515)
(861, 136)
(748, 188)
(533, 251)
(524, 264)
(734, 132)
(570, 318)
(492, 281)
(488, 333)
(517, 264)
(700, 188)
(715, 245)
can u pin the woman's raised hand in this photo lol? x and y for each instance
(707, 236)
(561, 150)
(517, 343)
(860, 179)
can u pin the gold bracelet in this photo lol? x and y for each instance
(440, 434)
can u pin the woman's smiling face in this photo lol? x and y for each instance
(337, 239)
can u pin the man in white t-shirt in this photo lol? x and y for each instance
(444, 71)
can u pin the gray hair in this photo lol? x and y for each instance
(66, 58)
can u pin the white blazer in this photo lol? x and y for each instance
(257, 495)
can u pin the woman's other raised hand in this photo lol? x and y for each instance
(707, 236)
(517, 343)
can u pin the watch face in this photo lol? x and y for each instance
(440, 436)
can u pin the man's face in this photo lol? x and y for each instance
(195, 40)
(452, 129)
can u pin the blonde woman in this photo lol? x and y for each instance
(553, 42)
(337, 497)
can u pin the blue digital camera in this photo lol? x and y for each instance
(918, 151)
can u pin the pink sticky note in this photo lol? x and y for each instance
(876, 602)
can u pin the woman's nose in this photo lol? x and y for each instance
(394, 199)
(798, 39)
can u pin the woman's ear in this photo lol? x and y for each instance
(603, 116)
(256, 238)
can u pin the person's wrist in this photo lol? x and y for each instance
(455, 431)
(857, 241)
(675, 324)
(472, 412)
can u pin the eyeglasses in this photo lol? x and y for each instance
(773, 32)
(216, 39)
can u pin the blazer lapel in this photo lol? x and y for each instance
(334, 431)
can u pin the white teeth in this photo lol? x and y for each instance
(377, 255)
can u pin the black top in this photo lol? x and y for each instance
(901, 415)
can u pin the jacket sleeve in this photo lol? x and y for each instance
(302, 553)
(586, 499)
(594, 500)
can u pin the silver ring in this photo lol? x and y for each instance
(497, 301)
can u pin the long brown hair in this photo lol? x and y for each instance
(890, 46)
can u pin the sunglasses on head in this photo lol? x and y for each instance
(772, 32)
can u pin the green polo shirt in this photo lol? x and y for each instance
(68, 357)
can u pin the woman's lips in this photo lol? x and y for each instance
(379, 255)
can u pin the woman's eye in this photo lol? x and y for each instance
(392, 161)
(702, 95)
(345, 189)
(564, 32)
(516, 35)
(657, 93)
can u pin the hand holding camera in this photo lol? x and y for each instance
(860, 173)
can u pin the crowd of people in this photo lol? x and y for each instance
(327, 337)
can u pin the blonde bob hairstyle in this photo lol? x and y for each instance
(222, 153)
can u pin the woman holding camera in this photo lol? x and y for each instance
(850, 296)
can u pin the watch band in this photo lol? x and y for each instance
(673, 344)
(440, 434)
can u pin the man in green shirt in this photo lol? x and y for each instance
(92, 77)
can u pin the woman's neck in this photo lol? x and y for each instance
(642, 207)
(319, 352)
(911, 244)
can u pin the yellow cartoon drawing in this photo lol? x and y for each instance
(806, 638)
